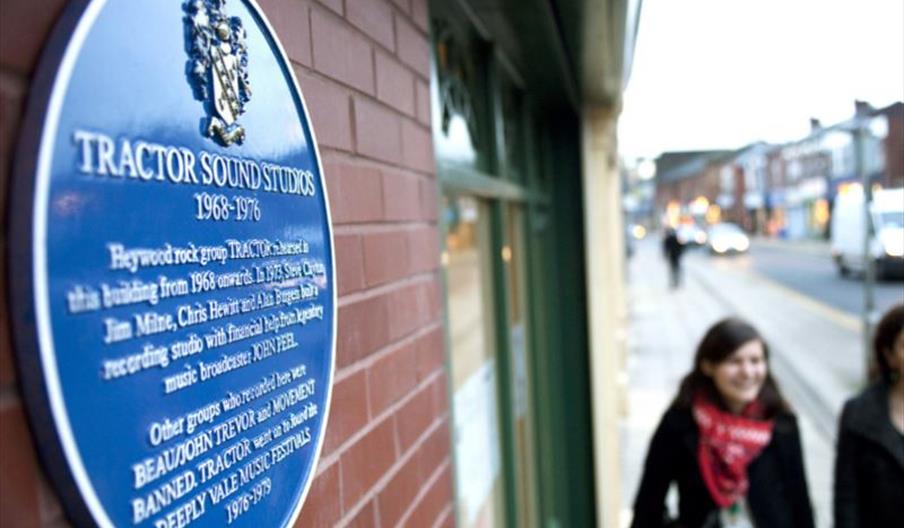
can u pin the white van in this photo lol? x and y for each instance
(848, 231)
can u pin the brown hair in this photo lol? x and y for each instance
(891, 325)
(721, 341)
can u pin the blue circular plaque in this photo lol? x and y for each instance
(171, 268)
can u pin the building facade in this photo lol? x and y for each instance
(788, 190)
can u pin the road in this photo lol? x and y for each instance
(809, 270)
(815, 274)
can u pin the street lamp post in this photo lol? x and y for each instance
(869, 268)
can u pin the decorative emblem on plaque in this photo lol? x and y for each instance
(218, 66)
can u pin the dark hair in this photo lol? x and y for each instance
(719, 343)
(891, 325)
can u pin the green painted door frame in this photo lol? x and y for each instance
(548, 190)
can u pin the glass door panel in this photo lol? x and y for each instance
(472, 338)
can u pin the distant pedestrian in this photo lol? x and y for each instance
(729, 441)
(672, 248)
(869, 468)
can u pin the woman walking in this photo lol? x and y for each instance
(729, 441)
(869, 468)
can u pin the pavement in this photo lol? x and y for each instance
(815, 350)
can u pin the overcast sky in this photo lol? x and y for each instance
(725, 73)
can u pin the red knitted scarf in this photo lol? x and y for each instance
(728, 443)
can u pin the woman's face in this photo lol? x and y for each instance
(740, 376)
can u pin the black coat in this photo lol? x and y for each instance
(778, 496)
(869, 470)
(672, 248)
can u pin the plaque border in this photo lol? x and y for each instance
(26, 274)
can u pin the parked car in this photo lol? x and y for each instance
(727, 238)
(849, 232)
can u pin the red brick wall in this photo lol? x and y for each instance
(363, 66)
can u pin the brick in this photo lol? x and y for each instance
(348, 411)
(51, 509)
(414, 417)
(362, 328)
(399, 493)
(441, 395)
(330, 109)
(434, 502)
(434, 298)
(395, 84)
(420, 15)
(335, 5)
(373, 17)
(341, 53)
(349, 263)
(19, 501)
(447, 518)
(413, 46)
(355, 193)
(409, 308)
(378, 131)
(423, 249)
(392, 377)
(385, 257)
(434, 451)
(7, 364)
(12, 106)
(417, 147)
(431, 353)
(366, 462)
(322, 506)
(422, 92)
(365, 518)
(23, 30)
(290, 20)
(429, 201)
(404, 5)
(401, 196)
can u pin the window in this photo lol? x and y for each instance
(477, 444)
